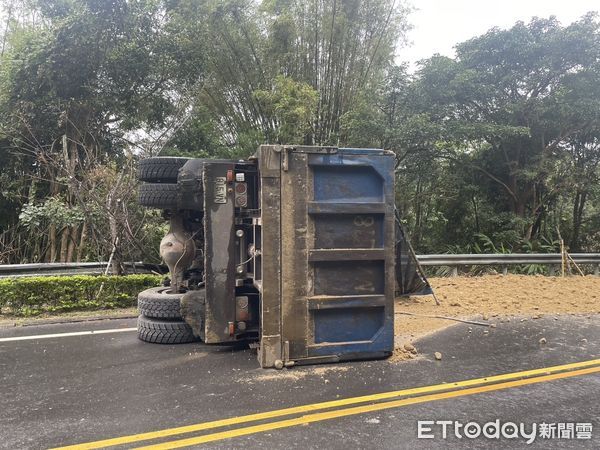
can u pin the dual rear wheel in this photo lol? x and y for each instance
(159, 175)
(160, 320)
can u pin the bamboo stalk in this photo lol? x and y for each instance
(563, 259)
(576, 265)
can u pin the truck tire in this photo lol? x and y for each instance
(162, 169)
(159, 303)
(159, 196)
(163, 331)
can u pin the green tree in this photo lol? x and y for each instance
(524, 92)
(290, 106)
(73, 85)
(337, 48)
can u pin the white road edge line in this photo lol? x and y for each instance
(58, 335)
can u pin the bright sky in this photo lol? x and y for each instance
(440, 24)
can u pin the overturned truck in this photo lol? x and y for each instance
(296, 250)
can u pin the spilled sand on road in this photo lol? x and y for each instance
(490, 299)
(295, 375)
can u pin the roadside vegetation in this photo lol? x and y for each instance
(33, 296)
(497, 147)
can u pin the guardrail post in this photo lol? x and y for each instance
(504, 270)
(597, 270)
(552, 270)
(454, 271)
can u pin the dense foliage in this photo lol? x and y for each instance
(31, 296)
(498, 148)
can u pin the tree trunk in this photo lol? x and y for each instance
(82, 241)
(578, 209)
(112, 205)
(52, 240)
(64, 244)
(476, 212)
(517, 200)
(114, 233)
(73, 237)
(418, 215)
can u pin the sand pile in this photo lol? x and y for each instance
(492, 298)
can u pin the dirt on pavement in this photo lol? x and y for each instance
(491, 299)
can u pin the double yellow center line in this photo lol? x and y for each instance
(306, 414)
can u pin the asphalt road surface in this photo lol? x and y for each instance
(62, 385)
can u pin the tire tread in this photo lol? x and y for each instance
(164, 332)
(162, 169)
(157, 304)
(160, 196)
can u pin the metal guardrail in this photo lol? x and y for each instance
(83, 268)
(450, 260)
(553, 260)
